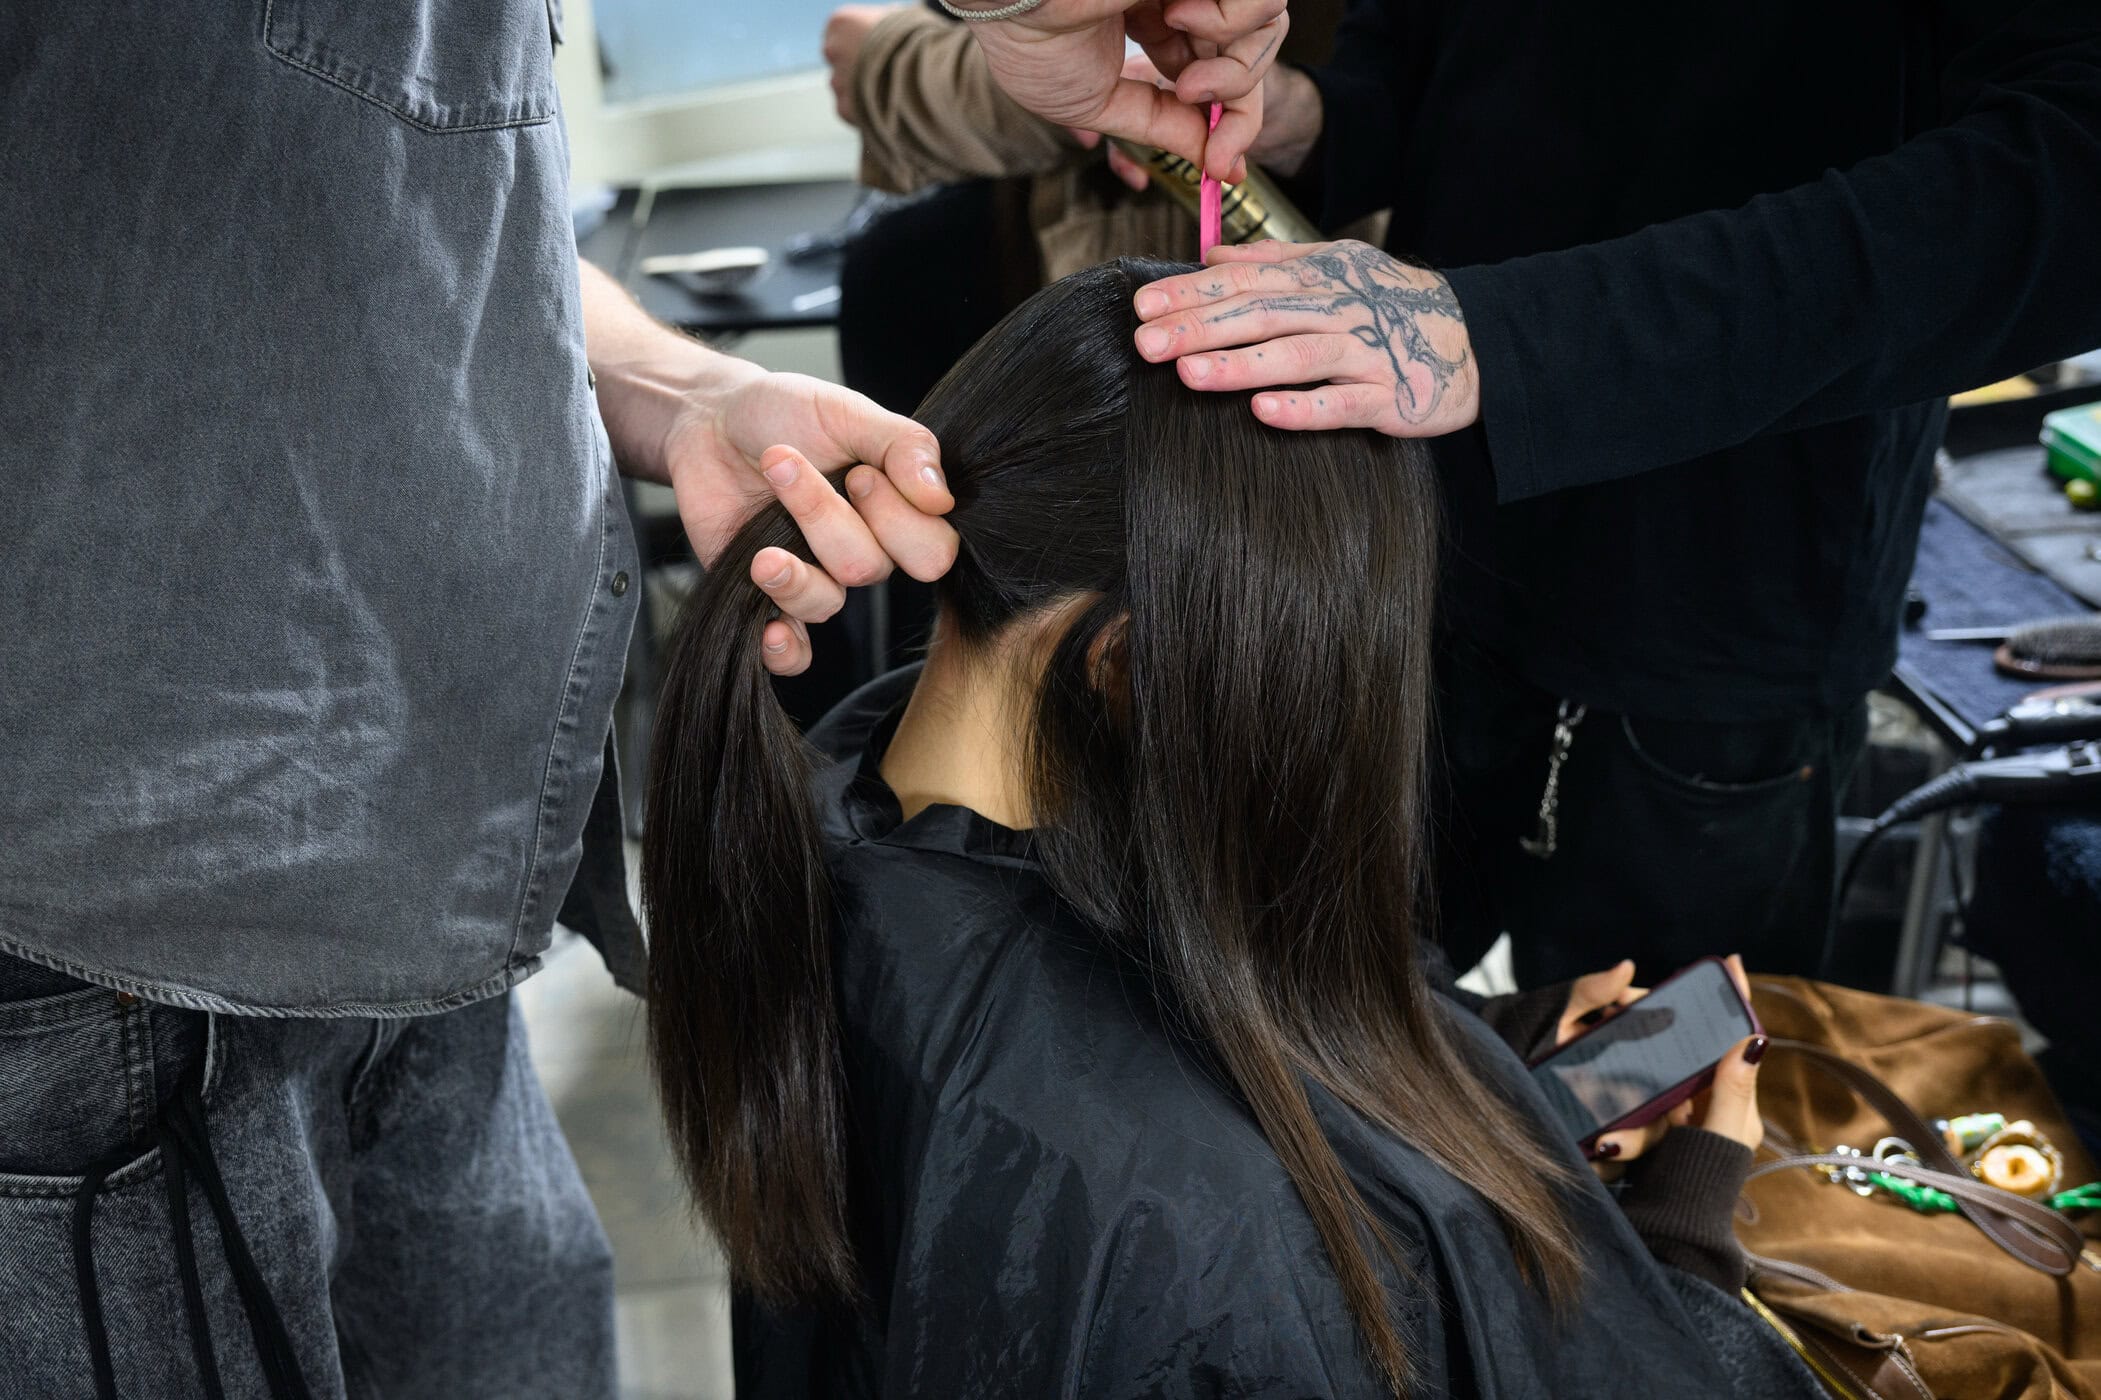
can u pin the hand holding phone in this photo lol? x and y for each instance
(1654, 1054)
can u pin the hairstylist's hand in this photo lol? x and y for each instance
(1135, 67)
(779, 434)
(726, 435)
(844, 33)
(1064, 59)
(1292, 116)
(1384, 343)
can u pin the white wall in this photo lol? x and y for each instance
(750, 133)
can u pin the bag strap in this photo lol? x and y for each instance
(2036, 1235)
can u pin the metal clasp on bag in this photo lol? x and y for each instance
(1543, 844)
(1855, 1178)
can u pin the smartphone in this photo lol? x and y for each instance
(1648, 1057)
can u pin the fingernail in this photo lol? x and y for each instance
(1755, 1051)
(778, 579)
(931, 475)
(1606, 1151)
(859, 484)
(1151, 304)
(1265, 403)
(1153, 342)
(781, 472)
(1197, 367)
(776, 647)
(1207, 97)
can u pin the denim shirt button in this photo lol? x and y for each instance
(620, 584)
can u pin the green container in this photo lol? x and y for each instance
(2072, 437)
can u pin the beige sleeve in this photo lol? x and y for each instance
(931, 113)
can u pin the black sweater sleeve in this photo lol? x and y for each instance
(1961, 256)
(1369, 88)
(1680, 1198)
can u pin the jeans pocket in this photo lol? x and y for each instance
(1705, 846)
(83, 1073)
(79, 1071)
(444, 66)
(1715, 761)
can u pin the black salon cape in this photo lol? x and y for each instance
(1053, 1198)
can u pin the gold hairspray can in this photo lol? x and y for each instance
(1250, 211)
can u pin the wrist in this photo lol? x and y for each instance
(1292, 117)
(652, 394)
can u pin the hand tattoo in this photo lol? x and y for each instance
(1343, 280)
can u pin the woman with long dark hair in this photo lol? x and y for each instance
(1065, 1034)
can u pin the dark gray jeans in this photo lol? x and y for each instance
(413, 1221)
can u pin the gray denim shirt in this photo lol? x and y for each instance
(315, 586)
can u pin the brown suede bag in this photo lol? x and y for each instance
(2002, 1300)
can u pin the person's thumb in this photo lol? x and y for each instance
(1589, 996)
(1732, 1102)
(1596, 989)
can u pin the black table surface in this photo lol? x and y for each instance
(650, 223)
(1969, 579)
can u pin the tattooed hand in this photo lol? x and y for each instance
(1383, 344)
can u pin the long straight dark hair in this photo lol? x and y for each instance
(1226, 779)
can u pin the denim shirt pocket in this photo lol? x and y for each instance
(448, 66)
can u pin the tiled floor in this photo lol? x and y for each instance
(673, 1302)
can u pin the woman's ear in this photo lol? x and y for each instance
(1108, 665)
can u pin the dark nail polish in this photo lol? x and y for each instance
(1755, 1051)
(1606, 1151)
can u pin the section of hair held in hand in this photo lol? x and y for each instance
(743, 1034)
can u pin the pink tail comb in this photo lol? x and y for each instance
(1210, 196)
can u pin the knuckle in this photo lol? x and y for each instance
(859, 573)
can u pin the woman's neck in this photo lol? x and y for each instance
(959, 743)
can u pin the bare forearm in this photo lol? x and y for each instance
(647, 373)
(1292, 117)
